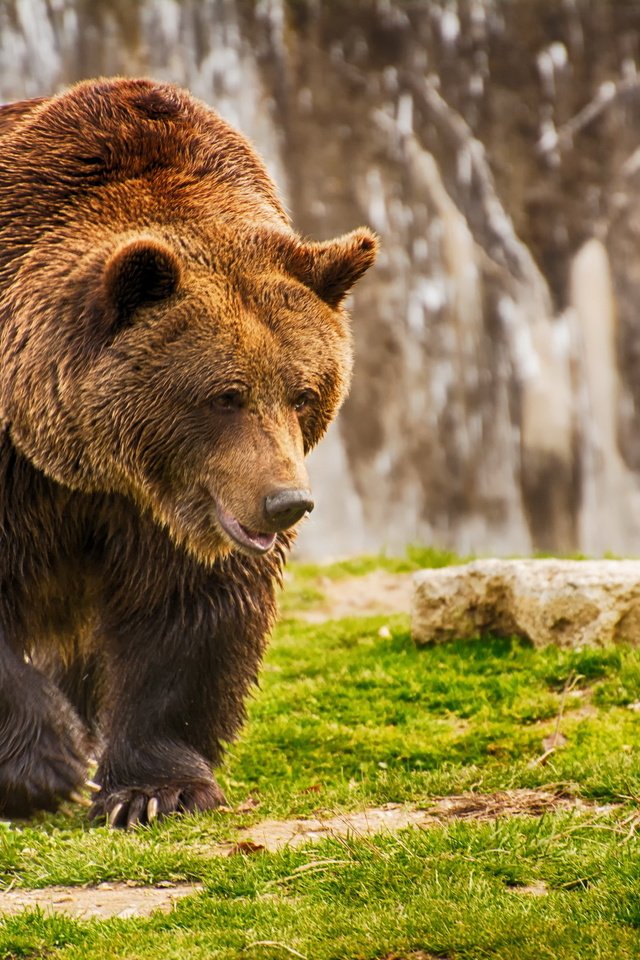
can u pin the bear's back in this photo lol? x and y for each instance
(115, 143)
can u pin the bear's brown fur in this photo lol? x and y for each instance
(169, 351)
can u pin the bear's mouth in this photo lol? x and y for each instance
(250, 540)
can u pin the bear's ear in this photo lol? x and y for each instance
(139, 272)
(332, 267)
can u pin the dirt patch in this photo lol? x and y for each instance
(105, 900)
(537, 889)
(378, 592)
(275, 834)
(128, 900)
(414, 955)
(505, 803)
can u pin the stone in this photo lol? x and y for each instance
(572, 603)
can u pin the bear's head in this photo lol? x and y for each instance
(222, 368)
(185, 353)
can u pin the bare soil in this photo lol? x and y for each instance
(374, 593)
(105, 900)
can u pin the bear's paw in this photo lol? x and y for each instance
(42, 771)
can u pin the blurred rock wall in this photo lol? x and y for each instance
(495, 146)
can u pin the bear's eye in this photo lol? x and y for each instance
(303, 400)
(230, 400)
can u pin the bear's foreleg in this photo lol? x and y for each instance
(181, 661)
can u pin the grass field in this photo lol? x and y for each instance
(350, 716)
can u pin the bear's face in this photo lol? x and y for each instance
(216, 373)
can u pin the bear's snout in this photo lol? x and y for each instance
(284, 508)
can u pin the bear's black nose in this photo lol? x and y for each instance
(285, 507)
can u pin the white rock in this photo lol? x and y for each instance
(568, 602)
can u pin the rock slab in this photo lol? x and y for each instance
(571, 603)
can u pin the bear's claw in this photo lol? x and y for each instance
(139, 806)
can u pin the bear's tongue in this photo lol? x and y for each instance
(251, 540)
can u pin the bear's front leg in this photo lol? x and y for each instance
(159, 751)
(43, 746)
(181, 658)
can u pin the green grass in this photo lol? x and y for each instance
(351, 715)
(456, 891)
(414, 558)
(372, 719)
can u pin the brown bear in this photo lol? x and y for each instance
(169, 351)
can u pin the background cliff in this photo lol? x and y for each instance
(495, 146)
